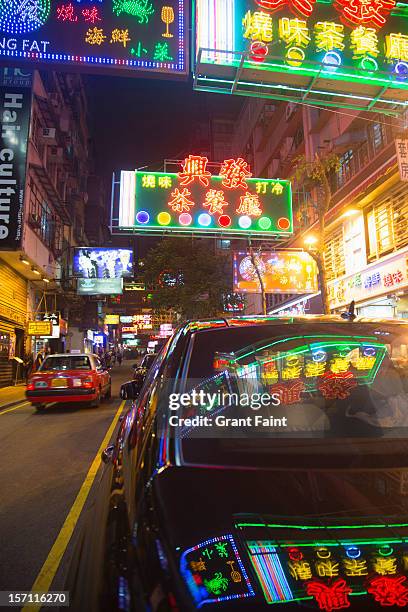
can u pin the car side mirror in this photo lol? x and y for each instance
(130, 390)
(107, 454)
(134, 366)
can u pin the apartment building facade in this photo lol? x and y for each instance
(366, 240)
(50, 210)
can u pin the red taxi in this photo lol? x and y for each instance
(69, 378)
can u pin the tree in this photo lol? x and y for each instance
(315, 175)
(188, 276)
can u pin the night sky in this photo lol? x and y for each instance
(140, 122)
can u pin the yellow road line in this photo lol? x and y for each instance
(49, 569)
(14, 408)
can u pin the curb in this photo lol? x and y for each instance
(11, 404)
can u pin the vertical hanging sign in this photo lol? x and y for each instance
(15, 108)
(402, 156)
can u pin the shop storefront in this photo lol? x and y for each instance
(380, 290)
(13, 317)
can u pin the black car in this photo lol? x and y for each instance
(229, 502)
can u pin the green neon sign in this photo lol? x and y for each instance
(232, 203)
(348, 53)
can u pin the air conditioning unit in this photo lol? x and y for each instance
(49, 136)
(286, 147)
(290, 110)
(54, 99)
(56, 153)
(34, 220)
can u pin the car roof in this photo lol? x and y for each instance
(72, 355)
(233, 322)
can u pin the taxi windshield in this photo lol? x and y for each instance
(296, 383)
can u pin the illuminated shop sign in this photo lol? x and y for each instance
(100, 286)
(39, 328)
(281, 272)
(343, 53)
(111, 319)
(121, 35)
(195, 200)
(105, 262)
(15, 111)
(376, 280)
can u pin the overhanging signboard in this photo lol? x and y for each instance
(281, 271)
(100, 286)
(15, 109)
(105, 35)
(342, 53)
(39, 328)
(196, 201)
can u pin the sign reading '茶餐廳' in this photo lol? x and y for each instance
(354, 50)
(141, 35)
(195, 200)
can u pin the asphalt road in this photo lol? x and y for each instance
(44, 460)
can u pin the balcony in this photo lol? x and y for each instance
(361, 162)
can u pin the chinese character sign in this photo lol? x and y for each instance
(132, 35)
(402, 156)
(214, 572)
(281, 271)
(341, 42)
(332, 574)
(376, 280)
(195, 199)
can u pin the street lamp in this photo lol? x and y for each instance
(310, 240)
(350, 212)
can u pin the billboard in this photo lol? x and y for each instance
(281, 272)
(102, 262)
(100, 286)
(194, 200)
(15, 111)
(127, 36)
(340, 53)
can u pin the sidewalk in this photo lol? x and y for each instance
(9, 396)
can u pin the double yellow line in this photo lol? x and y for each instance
(14, 408)
(49, 569)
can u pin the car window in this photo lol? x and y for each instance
(322, 380)
(66, 362)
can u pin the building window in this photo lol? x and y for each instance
(387, 224)
(346, 168)
(43, 220)
(224, 244)
(354, 244)
(334, 255)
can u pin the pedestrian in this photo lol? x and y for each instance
(39, 359)
(107, 360)
(28, 366)
(119, 358)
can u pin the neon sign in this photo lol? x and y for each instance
(194, 199)
(214, 572)
(293, 50)
(124, 35)
(334, 566)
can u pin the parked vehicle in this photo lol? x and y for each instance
(67, 378)
(306, 510)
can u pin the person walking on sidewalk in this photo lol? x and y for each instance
(28, 366)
